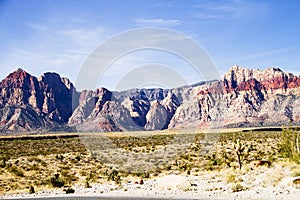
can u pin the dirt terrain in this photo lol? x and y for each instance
(58, 162)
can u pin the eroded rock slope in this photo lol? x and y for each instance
(243, 97)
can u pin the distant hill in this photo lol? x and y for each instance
(242, 98)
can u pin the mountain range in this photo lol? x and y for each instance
(242, 98)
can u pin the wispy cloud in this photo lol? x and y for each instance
(77, 35)
(157, 22)
(167, 4)
(229, 9)
(57, 48)
(206, 16)
(126, 65)
(55, 60)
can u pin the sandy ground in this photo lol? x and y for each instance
(133, 133)
(262, 183)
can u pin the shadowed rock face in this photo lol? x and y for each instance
(34, 103)
(243, 97)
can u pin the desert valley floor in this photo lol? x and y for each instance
(186, 164)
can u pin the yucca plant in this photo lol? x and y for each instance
(242, 152)
(289, 144)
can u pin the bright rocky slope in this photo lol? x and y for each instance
(244, 97)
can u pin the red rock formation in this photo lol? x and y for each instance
(241, 79)
(50, 97)
(244, 97)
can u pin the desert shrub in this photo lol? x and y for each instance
(34, 158)
(16, 171)
(59, 157)
(183, 167)
(4, 159)
(34, 167)
(78, 157)
(289, 144)
(56, 181)
(227, 158)
(241, 150)
(142, 174)
(114, 176)
(237, 188)
(68, 176)
(213, 162)
(168, 167)
(31, 190)
(231, 178)
(83, 172)
(43, 163)
(17, 162)
(236, 154)
(70, 190)
(90, 178)
(188, 172)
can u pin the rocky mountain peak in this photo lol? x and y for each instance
(67, 83)
(19, 70)
(48, 97)
(238, 78)
(16, 79)
(240, 74)
(17, 88)
(244, 97)
(50, 78)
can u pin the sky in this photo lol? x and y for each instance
(60, 35)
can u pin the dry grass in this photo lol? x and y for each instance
(115, 157)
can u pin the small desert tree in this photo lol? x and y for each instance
(241, 150)
(238, 152)
(289, 144)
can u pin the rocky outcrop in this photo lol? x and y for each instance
(268, 80)
(156, 118)
(98, 111)
(20, 119)
(31, 103)
(243, 97)
(253, 98)
(57, 97)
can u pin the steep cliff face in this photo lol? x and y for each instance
(28, 103)
(104, 110)
(20, 88)
(57, 97)
(246, 97)
(269, 80)
(243, 97)
(98, 112)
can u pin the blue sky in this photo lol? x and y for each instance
(59, 35)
